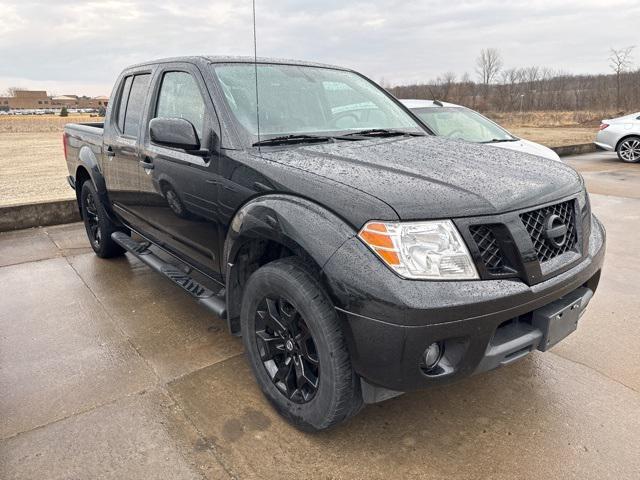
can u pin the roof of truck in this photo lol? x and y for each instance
(206, 59)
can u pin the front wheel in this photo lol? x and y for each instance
(629, 150)
(98, 225)
(296, 347)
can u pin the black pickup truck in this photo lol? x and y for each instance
(358, 256)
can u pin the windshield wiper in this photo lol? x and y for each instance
(500, 140)
(381, 132)
(298, 138)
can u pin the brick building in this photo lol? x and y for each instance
(26, 99)
(38, 99)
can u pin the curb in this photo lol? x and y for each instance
(575, 149)
(27, 215)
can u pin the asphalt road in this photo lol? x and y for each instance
(109, 371)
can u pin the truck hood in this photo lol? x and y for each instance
(434, 177)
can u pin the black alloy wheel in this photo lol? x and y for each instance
(296, 347)
(92, 221)
(287, 349)
(97, 223)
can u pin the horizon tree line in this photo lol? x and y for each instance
(534, 88)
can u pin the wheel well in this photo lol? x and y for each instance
(252, 255)
(626, 138)
(81, 176)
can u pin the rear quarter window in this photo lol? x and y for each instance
(135, 104)
(122, 104)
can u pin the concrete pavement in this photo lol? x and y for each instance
(107, 370)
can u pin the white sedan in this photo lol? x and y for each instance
(621, 135)
(462, 123)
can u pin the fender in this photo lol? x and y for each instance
(87, 159)
(294, 222)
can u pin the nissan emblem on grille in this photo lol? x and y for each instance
(555, 230)
(552, 229)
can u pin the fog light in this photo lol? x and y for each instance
(432, 355)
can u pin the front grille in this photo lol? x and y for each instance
(534, 222)
(489, 249)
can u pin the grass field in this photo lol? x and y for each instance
(33, 169)
(553, 129)
(32, 165)
(41, 123)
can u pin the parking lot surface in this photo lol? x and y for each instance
(107, 370)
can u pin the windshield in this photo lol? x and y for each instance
(297, 100)
(463, 124)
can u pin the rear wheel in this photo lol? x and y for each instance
(98, 225)
(296, 347)
(629, 150)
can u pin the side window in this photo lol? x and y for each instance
(180, 97)
(124, 98)
(135, 105)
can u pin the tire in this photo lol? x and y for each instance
(316, 336)
(628, 150)
(98, 225)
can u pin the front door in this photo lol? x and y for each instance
(179, 188)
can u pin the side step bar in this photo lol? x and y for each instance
(215, 302)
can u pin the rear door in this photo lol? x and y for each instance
(121, 144)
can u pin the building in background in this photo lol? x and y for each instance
(38, 99)
(69, 101)
(26, 99)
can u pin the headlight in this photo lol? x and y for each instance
(431, 250)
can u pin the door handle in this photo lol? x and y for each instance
(109, 152)
(146, 163)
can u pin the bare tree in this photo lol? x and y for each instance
(11, 91)
(445, 85)
(488, 65)
(620, 62)
(536, 88)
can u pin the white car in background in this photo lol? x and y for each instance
(621, 135)
(462, 123)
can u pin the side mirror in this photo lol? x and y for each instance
(174, 133)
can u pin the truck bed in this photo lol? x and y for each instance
(78, 136)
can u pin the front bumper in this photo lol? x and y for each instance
(391, 321)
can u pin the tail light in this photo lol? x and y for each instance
(64, 144)
(603, 126)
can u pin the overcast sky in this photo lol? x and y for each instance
(71, 46)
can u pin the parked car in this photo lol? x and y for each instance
(357, 256)
(621, 135)
(462, 123)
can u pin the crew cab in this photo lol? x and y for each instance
(357, 255)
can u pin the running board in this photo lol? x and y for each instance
(215, 302)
